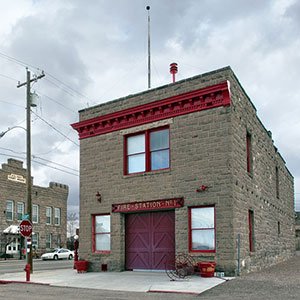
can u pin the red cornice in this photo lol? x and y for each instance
(209, 97)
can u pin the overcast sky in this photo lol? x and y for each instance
(94, 51)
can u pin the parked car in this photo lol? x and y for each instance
(58, 254)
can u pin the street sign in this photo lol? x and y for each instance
(25, 217)
(26, 228)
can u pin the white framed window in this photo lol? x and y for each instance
(35, 213)
(48, 240)
(35, 240)
(202, 229)
(57, 216)
(20, 210)
(9, 210)
(101, 233)
(48, 215)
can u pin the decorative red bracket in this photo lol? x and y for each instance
(202, 188)
(98, 195)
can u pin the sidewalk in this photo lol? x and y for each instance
(117, 281)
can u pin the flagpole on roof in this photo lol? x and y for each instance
(149, 60)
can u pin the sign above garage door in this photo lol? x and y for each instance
(147, 205)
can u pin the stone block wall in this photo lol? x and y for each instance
(54, 196)
(206, 147)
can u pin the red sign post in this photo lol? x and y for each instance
(26, 228)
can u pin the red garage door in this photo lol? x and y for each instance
(150, 240)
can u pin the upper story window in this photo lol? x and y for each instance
(202, 229)
(57, 216)
(249, 153)
(9, 210)
(48, 215)
(251, 230)
(20, 210)
(147, 151)
(101, 233)
(35, 213)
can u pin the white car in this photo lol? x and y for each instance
(58, 254)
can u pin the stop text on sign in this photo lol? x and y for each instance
(26, 228)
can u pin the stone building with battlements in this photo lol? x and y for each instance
(49, 211)
(186, 167)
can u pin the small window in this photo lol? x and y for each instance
(147, 151)
(35, 213)
(20, 210)
(249, 153)
(251, 231)
(48, 240)
(277, 182)
(48, 215)
(278, 228)
(202, 229)
(9, 210)
(57, 216)
(101, 233)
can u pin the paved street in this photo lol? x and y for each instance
(11, 266)
(276, 283)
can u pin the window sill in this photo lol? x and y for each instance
(101, 252)
(150, 173)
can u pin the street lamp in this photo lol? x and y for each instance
(9, 129)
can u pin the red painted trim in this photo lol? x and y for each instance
(206, 98)
(147, 205)
(94, 234)
(190, 230)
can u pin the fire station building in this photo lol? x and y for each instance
(186, 167)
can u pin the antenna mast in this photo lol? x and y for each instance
(149, 61)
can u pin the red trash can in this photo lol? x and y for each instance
(81, 266)
(206, 268)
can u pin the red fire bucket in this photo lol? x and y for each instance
(206, 268)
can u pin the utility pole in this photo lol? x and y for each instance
(28, 153)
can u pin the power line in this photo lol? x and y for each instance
(5, 76)
(57, 102)
(15, 156)
(34, 156)
(37, 157)
(55, 128)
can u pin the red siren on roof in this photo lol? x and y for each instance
(173, 70)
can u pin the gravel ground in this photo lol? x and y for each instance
(278, 282)
(281, 281)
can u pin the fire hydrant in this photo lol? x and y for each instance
(27, 270)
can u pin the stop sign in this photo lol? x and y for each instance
(26, 228)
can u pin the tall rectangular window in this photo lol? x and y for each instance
(277, 182)
(147, 151)
(35, 213)
(101, 233)
(20, 210)
(57, 243)
(202, 229)
(249, 153)
(35, 240)
(56, 216)
(251, 230)
(48, 215)
(48, 240)
(9, 210)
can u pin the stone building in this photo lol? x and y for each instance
(49, 210)
(187, 167)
